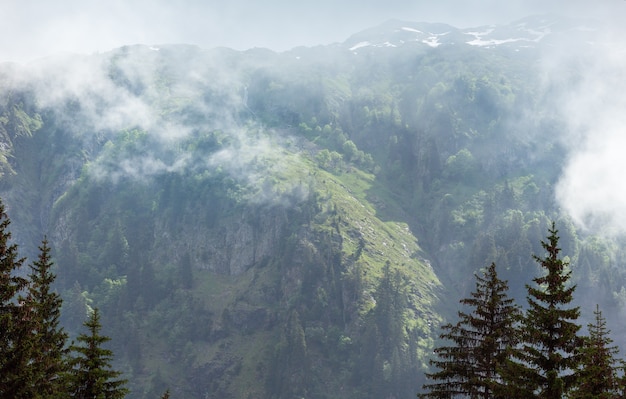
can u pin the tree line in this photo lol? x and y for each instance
(36, 360)
(499, 350)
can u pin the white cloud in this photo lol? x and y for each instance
(592, 188)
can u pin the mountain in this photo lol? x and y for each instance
(530, 32)
(256, 224)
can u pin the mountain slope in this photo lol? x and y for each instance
(260, 224)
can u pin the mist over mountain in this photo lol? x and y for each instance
(300, 223)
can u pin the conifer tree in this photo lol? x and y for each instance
(47, 358)
(597, 377)
(621, 380)
(13, 342)
(469, 367)
(91, 375)
(544, 365)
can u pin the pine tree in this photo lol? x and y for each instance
(14, 344)
(470, 366)
(621, 380)
(597, 377)
(47, 357)
(544, 365)
(91, 376)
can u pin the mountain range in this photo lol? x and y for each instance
(255, 224)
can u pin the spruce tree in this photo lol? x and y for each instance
(91, 375)
(469, 367)
(545, 363)
(598, 374)
(47, 358)
(621, 380)
(14, 341)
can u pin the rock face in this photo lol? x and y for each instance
(230, 247)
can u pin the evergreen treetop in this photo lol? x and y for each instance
(14, 345)
(545, 364)
(597, 376)
(48, 357)
(91, 375)
(479, 341)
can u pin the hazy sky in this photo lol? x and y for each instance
(34, 28)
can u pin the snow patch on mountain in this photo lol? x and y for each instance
(411, 29)
(360, 45)
(490, 42)
(525, 33)
(433, 40)
(520, 32)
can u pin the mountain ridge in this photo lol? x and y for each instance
(304, 218)
(522, 33)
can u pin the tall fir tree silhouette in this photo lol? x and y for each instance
(14, 342)
(469, 366)
(48, 356)
(598, 371)
(91, 375)
(544, 365)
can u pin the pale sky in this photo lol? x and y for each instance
(31, 29)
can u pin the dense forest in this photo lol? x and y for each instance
(253, 224)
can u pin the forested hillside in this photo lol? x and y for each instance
(254, 224)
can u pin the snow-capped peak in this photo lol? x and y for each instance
(525, 33)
